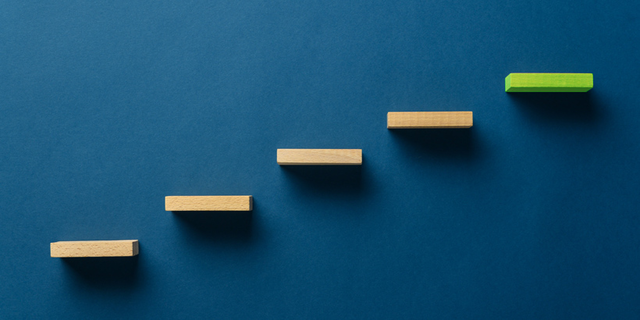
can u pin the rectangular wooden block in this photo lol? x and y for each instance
(85, 249)
(548, 82)
(429, 120)
(208, 203)
(311, 157)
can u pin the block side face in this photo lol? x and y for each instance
(548, 89)
(86, 249)
(507, 83)
(135, 248)
(208, 203)
(53, 250)
(430, 120)
(319, 156)
(550, 82)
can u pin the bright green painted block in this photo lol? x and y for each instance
(548, 82)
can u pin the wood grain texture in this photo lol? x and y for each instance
(208, 203)
(85, 249)
(310, 157)
(548, 82)
(429, 120)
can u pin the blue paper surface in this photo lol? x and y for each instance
(108, 107)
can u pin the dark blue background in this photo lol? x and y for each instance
(108, 106)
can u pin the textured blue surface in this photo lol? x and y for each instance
(108, 106)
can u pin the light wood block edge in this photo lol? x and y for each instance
(430, 120)
(208, 203)
(87, 249)
(315, 157)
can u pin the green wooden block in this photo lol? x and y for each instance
(548, 82)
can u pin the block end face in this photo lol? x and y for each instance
(507, 83)
(52, 251)
(135, 248)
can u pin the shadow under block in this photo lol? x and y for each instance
(429, 120)
(208, 203)
(548, 82)
(314, 157)
(86, 249)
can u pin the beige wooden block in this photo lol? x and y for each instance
(319, 157)
(85, 249)
(429, 120)
(208, 203)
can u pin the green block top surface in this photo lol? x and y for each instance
(549, 82)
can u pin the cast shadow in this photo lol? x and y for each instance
(115, 272)
(217, 226)
(572, 107)
(440, 144)
(326, 180)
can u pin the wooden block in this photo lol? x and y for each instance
(548, 82)
(208, 203)
(429, 120)
(313, 157)
(85, 249)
